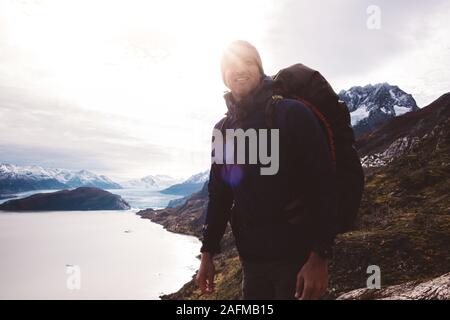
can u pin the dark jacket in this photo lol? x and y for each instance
(281, 216)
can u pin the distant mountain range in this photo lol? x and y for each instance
(15, 178)
(189, 186)
(372, 105)
(156, 182)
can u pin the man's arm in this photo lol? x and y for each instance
(216, 219)
(217, 212)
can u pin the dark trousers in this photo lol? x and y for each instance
(275, 280)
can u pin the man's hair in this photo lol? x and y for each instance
(239, 49)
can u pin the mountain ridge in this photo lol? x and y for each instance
(371, 106)
(192, 184)
(14, 178)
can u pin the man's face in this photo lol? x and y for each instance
(242, 75)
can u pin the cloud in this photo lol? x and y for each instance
(49, 132)
(334, 36)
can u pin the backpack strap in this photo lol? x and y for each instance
(223, 124)
(326, 125)
(270, 121)
(270, 111)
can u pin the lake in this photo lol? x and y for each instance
(93, 254)
(137, 198)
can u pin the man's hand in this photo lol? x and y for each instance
(206, 273)
(312, 279)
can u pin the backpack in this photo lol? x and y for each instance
(312, 89)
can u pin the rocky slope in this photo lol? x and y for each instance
(433, 289)
(403, 134)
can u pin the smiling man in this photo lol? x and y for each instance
(242, 69)
(283, 224)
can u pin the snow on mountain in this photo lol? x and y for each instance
(163, 180)
(31, 172)
(198, 178)
(15, 178)
(358, 115)
(154, 182)
(192, 184)
(372, 105)
(79, 178)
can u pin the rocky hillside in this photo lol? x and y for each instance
(404, 223)
(82, 198)
(403, 134)
(433, 289)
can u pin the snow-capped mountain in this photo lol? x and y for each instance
(24, 178)
(75, 179)
(192, 184)
(372, 105)
(198, 178)
(155, 182)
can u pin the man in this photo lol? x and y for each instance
(283, 224)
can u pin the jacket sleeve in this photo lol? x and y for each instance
(217, 211)
(317, 174)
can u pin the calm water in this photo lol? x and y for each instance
(137, 198)
(93, 254)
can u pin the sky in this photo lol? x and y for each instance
(131, 88)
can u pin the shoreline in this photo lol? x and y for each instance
(154, 215)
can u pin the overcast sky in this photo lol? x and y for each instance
(131, 88)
